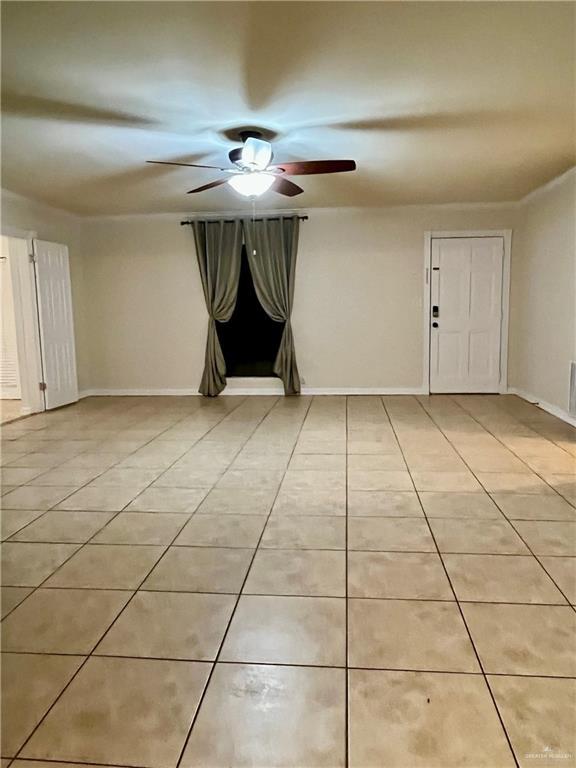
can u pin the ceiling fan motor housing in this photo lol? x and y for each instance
(246, 133)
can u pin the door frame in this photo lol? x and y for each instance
(26, 317)
(506, 235)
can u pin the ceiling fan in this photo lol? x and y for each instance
(253, 173)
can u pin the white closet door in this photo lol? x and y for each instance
(9, 370)
(56, 323)
(466, 314)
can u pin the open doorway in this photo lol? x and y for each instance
(20, 365)
(10, 390)
(38, 362)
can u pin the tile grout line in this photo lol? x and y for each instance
(291, 594)
(235, 662)
(347, 720)
(216, 659)
(527, 424)
(470, 553)
(98, 474)
(461, 611)
(260, 548)
(115, 464)
(170, 544)
(114, 514)
(31, 432)
(127, 590)
(470, 415)
(87, 483)
(479, 661)
(84, 662)
(508, 520)
(538, 560)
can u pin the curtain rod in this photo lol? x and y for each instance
(246, 216)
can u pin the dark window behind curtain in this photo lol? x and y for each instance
(250, 339)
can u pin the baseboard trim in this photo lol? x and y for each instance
(363, 391)
(232, 389)
(97, 392)
(548, 407)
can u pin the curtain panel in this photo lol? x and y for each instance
(272, 245)
(219, 250)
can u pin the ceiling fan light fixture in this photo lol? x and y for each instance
(251, 184)
(256, 154)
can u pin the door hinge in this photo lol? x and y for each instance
(42, 386)
(31, 258)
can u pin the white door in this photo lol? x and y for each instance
(9, 369)
(56, 323)
(466, 314)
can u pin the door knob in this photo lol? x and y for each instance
(434, 325)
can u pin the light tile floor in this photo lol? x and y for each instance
(10, 410)
(299, 582)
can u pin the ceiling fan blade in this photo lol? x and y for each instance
(187, 165)
(212, 184)
(286, 187)
(307, 167)
(27, 105)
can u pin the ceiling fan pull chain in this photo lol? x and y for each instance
(253, 220)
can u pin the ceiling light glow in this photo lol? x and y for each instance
(251, 184)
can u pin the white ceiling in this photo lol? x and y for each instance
(437, 102)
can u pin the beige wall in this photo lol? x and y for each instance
(48, 223)
(358, 303)
(141, 320)
(144, 305)
(543, 294)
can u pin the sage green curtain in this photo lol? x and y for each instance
(272, 245)
(219, 249)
